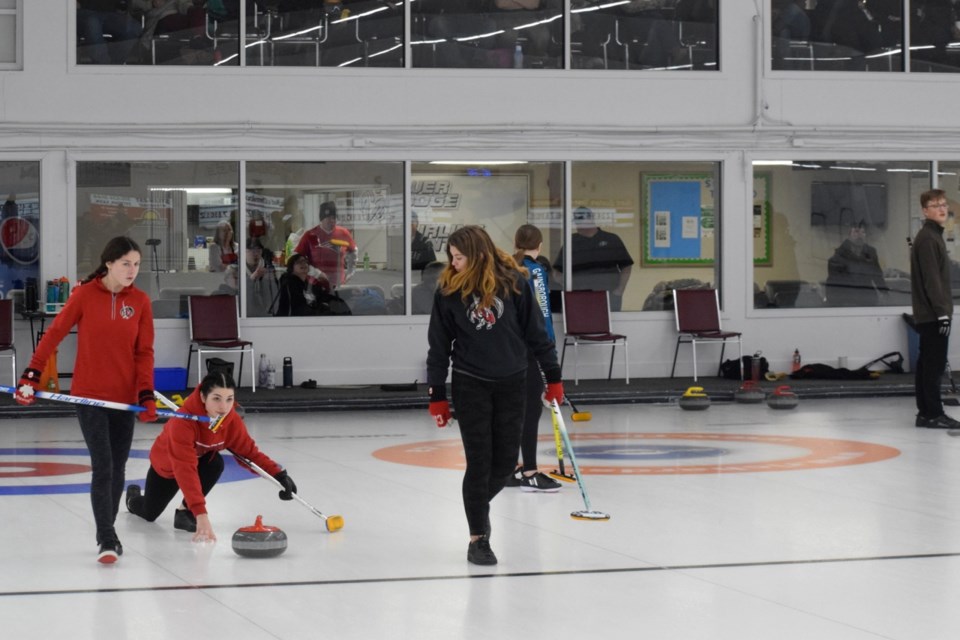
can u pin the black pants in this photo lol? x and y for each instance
(931, 362)
(159, 491)
(108, 434)
(531, 417)
(490, 414)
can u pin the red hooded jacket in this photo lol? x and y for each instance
(175, 452)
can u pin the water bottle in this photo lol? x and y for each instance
(288, 372)
(755, 367)
(796, 359)
(271, 376)
(30, 295)
(263, 370)
(518, 57)
(366, 261)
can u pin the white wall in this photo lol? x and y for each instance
(59, 113)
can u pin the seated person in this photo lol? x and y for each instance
(421, 296)
(97, 18)
(303, 295)
(261, 278)
(855, 278)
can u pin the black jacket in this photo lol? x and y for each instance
(489, 344)
(930, 275)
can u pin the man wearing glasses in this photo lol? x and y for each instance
(932, 309)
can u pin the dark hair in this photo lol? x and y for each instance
(115, 249)
(217, 379)
(327, 209)
(932, 194)
(293, 259)
(527, 238)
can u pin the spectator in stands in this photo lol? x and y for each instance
(223, 251)
(99, 18)
(855, 278)
(421, 250)
(329, 248)
(600, 260)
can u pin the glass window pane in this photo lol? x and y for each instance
(362, 33)
(346, 218)
(182, 214)
(8, 39)
(660, 34)
(500, 197)
(107, 32)
(846, 35)
(20, 232)
(834, 233)
(642, 229)
(482, 34)
(933, 41)
(8, 4)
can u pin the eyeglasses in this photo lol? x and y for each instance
(938, 205)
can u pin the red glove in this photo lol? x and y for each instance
(440, 410)
(554, 392)
(149, 413)
(29, 384)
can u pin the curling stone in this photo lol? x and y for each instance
(782, 398)
(694, 399)
(749, 393)
(259, 541)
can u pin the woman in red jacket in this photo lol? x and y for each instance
(114, 362)
(186, 457)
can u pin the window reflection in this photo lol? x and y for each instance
(643, 229)
(482, 34)
(837, 232)
(499, 197)
(649, 34)
(176, 211)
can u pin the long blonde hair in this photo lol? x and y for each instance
(489, 271)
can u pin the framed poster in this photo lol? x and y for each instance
(760, 223)
(678, 219)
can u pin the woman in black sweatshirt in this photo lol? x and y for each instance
(484, 319)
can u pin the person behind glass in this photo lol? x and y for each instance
(485, 320)
(790, 23)
(421, 296)
(329, 248)
(932, 309)
(300, 293)
(223, 251)
(261, 277)
(97, 18)
(421, 249)
(528, 241)
(114, 362)
(854, 276)
(186, 457)
(600, 260)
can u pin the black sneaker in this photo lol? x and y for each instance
(539, 482)
(133, 493)
(942, 422)
(184, 520)
(110, 551)
(513, 480)
(921, 421)
(479, 552)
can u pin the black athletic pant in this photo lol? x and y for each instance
(108, 434)
(931, 362)
(159, 491)
(531, 418)
(490, 414)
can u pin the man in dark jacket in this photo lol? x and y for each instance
(932, 309)
(96, 18)
(855, 278)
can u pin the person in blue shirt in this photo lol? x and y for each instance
(528, 241)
